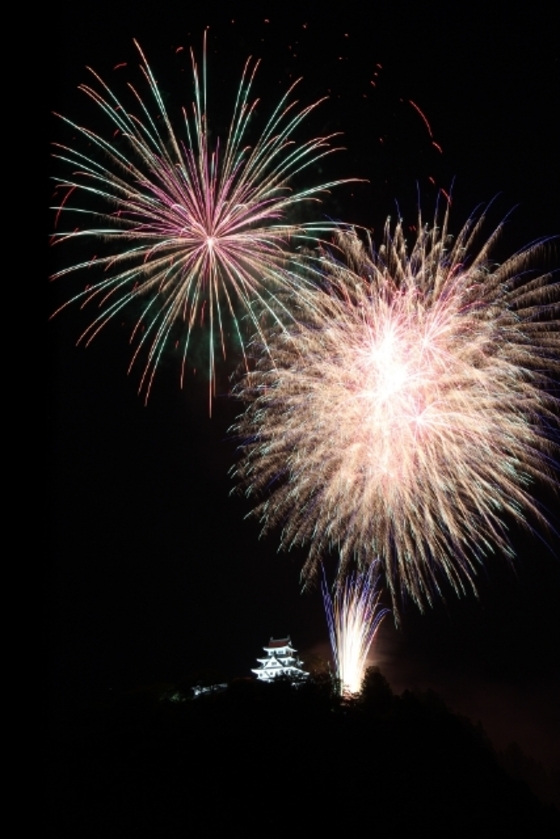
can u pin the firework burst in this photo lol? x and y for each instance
(354, 616)
(409, 410)
(196, 233)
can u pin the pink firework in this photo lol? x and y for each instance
(193, 233)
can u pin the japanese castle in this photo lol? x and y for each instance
(281, 660)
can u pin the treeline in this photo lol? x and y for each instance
(278, 760)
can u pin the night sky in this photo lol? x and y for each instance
(155, 572)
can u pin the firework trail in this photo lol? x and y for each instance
(409, 410)
(353, 616)
(194, 232)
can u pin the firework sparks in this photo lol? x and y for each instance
(408, 411)
(196, 233)
(354, 616)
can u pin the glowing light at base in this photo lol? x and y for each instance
(192, 232)
(354, 616)
(409, 410)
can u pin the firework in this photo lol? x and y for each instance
(196, 233)
(354, 616)
(409, 410)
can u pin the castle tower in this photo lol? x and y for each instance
(281, 660)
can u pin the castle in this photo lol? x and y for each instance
(281, 660)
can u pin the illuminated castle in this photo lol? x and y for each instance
(280, 661)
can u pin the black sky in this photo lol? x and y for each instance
(155, 573)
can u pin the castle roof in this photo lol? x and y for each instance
(279, 643)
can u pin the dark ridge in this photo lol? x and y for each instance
(268, 759)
